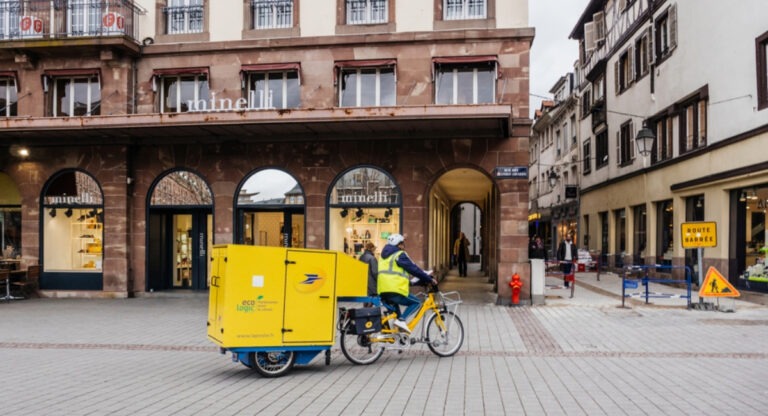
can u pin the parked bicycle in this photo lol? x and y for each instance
(366, 333)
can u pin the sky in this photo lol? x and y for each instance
(552, 53)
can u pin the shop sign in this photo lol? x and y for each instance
(511, 172)
(373, 198)
(571, 191)
(699, 234)
(83, 199)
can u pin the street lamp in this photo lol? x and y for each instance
(552, 178)
(644, 140)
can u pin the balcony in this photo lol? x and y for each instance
(599, 115)
(49, 25)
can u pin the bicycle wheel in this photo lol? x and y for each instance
(358, 348)
(272, 363)
(445, 342)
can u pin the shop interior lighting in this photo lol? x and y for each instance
(743, 197)
(359, 213)
(68, 212)
(52, 212)
(387, 212)
(344, 213)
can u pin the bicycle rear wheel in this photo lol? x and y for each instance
(446, 342)
(358, 348)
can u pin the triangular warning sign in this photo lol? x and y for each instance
(716, 286)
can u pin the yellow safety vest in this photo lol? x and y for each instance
(392, 278)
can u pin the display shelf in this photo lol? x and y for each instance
(373, 229)
(86, 245)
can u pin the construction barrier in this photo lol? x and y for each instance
(629, 282)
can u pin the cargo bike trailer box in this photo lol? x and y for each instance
(272, 307)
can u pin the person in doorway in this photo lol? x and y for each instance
(567, 254)
(393, 281)
(536, 249)
(461, 253)
(373, 267)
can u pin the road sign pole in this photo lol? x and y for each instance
(700, 252)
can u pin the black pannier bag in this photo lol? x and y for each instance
(365, 320)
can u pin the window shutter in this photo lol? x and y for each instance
(631, 64)
(616, 74)
(589, 37)
(631, 141)
(618, 147)
(651, 52)
(599, 20)
(673, 26)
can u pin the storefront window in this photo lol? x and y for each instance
(755, 204)
(73, 224)
(640, 233)
(364, 207)
(10, 218)
(665, 233)
(270, 208)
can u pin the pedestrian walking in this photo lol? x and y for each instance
(461, 253)
(368, 257)
(567, 254)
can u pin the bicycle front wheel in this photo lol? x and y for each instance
(445, 334)
(358, 348)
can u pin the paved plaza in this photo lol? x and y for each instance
(584, 355)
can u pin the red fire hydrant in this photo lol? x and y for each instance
(516, 285)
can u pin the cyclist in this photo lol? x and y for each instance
(393, 279)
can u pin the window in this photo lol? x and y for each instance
(693, 126)
(625, 144)
(558, 142)
(665, 38)
(366, 12)
(761, 46)
(367, 86)
(598, 89)
(464, 9)
(363, 206)
(586, 103)
(184, 16)
(73, 228)
(624, 70)
(180, 93)
(278, 89)
(601, 150)
(8, 95)
(84, 17)
(586, 163)
(465, 83)
(75, 96)
(9, 19)
(272, 14)
(642, 55)
(574, 130)
(662, 149)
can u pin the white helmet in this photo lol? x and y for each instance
(395, 239)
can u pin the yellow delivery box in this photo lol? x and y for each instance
(276, 296)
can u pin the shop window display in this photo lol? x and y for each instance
(73, 224)
(364, 207)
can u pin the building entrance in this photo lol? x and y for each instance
(178, 249)
(179, 233)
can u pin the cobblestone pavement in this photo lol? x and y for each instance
(580, 356)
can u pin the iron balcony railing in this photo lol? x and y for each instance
(46, 19)
(184, 18)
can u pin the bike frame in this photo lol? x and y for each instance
(429, 304)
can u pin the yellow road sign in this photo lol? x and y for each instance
(699, 234)
(717, 286)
